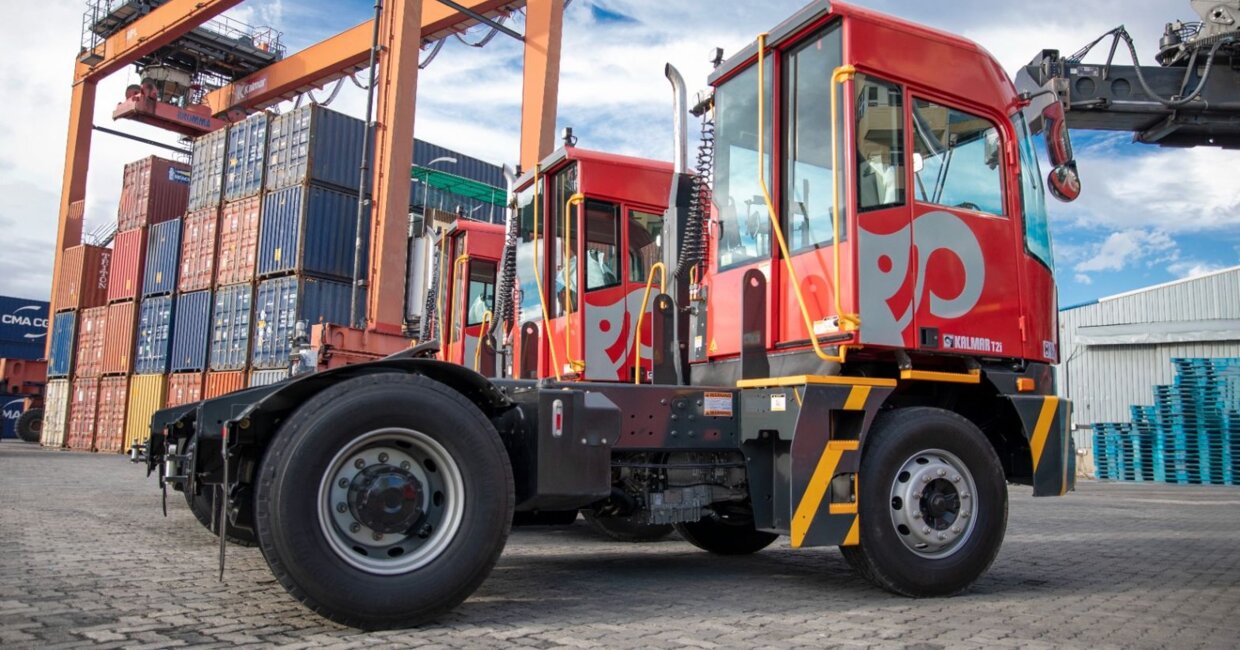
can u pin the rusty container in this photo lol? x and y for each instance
(83, 407)
(92, 335)
(146, 395)
(55, 414)
(199, 239)
(153, 190)
(110, 421)
(238, 247)
(222, 383)
(184, 388)
(128, 263)
(118, 341)
(83, 278)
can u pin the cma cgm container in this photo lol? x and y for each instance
(309, 229)
(247, 157)
(163, 252)
(199, 236)
(206, 171)
(191, 331)
(230, 327)
(110, 421)
(314, 145)
(83, 278)
(146, 395)
(23, 328)
(55, 413)
(184, 388)
(128, 258)
(280, 302)
(92, 330)
(153, 190)
(238, 241)
(83, 407)
(64, 341)
(222, 383)
(118, 346)
(154, 335)
(265, 377)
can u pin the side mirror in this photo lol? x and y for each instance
(1058, 143)
(1064, 182)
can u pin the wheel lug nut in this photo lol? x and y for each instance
(342, 507)
(359, 463)
(404, 465)
(965, 515)
(344, 482)
(377, 536)
(942, 472)
(956, 530)
(925, 479)
(383, 458)
(916, 515)
(942, 536)
(354, 527)
(956, 478)
(964, 495)
(925, 531)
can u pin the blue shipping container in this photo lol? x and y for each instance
(11, 408)
(23, 321)
(247, 157)
(206, 172)
(64, 340)
(191, 331)
(309, 229)
(163, 258)
(154, 335)
(281, 302)
(314, 145)
(230, 327)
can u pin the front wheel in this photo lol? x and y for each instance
(29, 425)
(384, 501)
(726, 535)
(933, 503)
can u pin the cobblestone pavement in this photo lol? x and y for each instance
(87, 560)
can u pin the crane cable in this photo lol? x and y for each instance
(1121, 34)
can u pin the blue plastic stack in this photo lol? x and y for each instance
(1190, 435)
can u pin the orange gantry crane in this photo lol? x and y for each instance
(402, 29)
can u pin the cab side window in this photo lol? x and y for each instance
(956, 159)
(880, 144)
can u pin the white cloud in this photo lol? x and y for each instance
(1123, 249)
(1193, 268)
(1081, 278)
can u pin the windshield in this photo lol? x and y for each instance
(1033, 195)
(530, 309)
(744, 227)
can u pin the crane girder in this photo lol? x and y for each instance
(163, 25)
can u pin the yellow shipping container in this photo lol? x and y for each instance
(55, 413)
(146, 395)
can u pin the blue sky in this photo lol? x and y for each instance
(1146, 216)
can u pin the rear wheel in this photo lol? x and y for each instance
(624, 530)
(726, 536)
(384, 501)
(29, 425)
(933, 504)
(205, 507)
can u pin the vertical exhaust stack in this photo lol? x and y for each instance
(674, 222)
(504, 298)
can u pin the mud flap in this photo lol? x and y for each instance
(1046, 424)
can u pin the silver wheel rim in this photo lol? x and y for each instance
(933, 504)
(441, 500)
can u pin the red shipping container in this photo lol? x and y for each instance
(128, 261)
(198, 245)
(184, 388)
(82, 411)
(91, 336)
(110, 421)
(222, 383)
(153, 190)
(119, 338)
(83, 278)
(238, 241)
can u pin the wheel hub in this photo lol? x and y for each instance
(386, 499)
(932, 503)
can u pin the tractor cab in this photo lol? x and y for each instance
(588, 247)
(876, 198)
(468, 267)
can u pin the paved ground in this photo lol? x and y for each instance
(85, 559)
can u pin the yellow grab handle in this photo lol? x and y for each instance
(641, 315)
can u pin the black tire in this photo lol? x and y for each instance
(883, 557)
(623, 530)
(202, 505)
(29, 425)
(294, 527)
(726, 537)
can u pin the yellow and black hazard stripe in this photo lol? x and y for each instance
(1045, 420)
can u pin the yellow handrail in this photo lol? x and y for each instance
(486, 323)
(463, 260)
(637, 335)
(542, 295)
(578, 366)
(845, 321)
